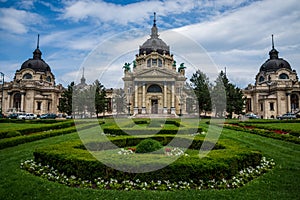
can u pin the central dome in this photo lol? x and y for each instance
(154, 44)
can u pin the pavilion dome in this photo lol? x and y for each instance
(36, 63)
(274, 63)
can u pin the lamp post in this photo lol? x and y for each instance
(129, 104)
(2, 97)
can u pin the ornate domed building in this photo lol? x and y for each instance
(276, 90)
(33, 89)
(154, 85)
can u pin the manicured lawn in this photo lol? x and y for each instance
(17, 126)
(281, 183)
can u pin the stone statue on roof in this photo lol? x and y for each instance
(181, 67)
(126, 66)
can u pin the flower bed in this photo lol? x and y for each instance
(289, 137)
(240, 179)
(222, 163)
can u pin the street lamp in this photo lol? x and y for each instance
(129, 96)
(2, 97)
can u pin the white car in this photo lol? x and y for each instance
(27, 116)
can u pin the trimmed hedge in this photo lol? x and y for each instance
(114, 130)
(26, 131)
(163, 139)
(13, 141)
(225, 163)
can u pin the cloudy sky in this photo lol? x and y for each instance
(102, 35)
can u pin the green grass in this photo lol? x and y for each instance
(18, 126)
(281, 183)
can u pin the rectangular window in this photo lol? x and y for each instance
(272, 106)
(154, 62)
(49, 105)
(39, 105)
(149, 63)
(159, 63)
(249, 105)
(261, 107)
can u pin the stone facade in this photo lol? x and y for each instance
(276, 90)
(155, 85)
(33, 88)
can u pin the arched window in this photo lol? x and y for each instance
(261, 79)
(283, 76)
(27, 76)
(154, 88)
(48, 78)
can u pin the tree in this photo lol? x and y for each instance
(65, 102)
(120, 101)
(218, 96)
(201, 86)
(235, 100)
(100, 98)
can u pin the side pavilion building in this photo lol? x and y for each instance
(276, 90)
(33, 89)
(154, 86)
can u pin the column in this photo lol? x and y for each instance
(136, 93)
(173, 99)
(165, 99)
(8, 101)
(144, 99)
(288, 95)
(22, 102)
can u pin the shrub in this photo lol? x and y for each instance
(148, 146)
(13, 134)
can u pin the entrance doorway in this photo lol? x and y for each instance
(154, 106)
(17, 101)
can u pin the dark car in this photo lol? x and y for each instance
(251, 116)
(287, 116)
(48, 116)
(13, 116)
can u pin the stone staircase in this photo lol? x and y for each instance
(155, 116)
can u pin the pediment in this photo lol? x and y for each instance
(154, 72)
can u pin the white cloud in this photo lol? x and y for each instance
(26, 4)
(240, 40)
(18, 21)
(135, 13)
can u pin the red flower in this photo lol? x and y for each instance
(132, 149)
(168, 149)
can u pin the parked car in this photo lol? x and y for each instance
(27, 116)
(287, 116)
(251, 116)
(13, 116)
(48, 116)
